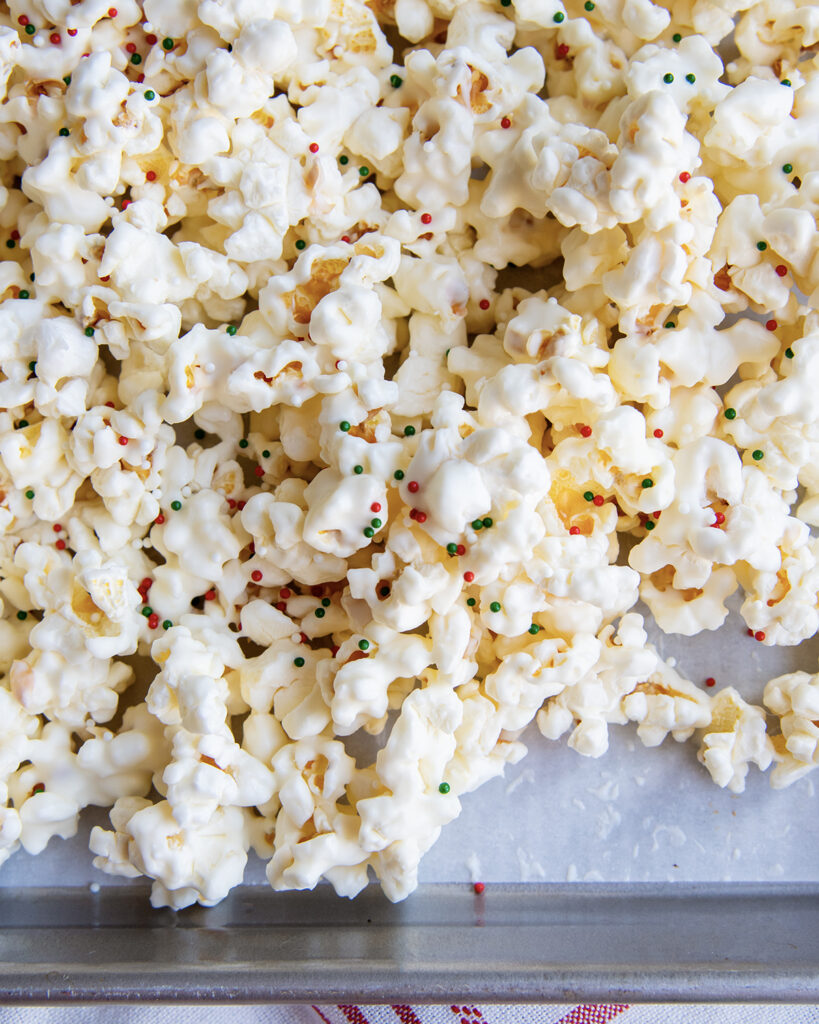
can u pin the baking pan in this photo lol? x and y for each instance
(528, 943)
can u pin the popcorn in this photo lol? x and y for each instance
(353, 385)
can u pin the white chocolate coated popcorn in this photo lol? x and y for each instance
(353, 386)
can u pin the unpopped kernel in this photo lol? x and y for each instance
(358, 389)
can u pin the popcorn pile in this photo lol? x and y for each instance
(282, 435)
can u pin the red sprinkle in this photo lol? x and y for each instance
(56, 527)
(112, 12)
(72, 32)
(231, 502)
(259, 471)
(317, 591)
(781, 270)
(240, 505)
(284, 593)
(505, 122)
(55, 38)
(22, 20)
(413, 513)
(585, 431)
(281, 606)
(303, 637)
(656, 514)
(561, 51)
(210, 595)
(345, 238)
(126, 203)
(106, 278)
(146, 584)
(334, 650)
(160, 519)
(772, 325)
(256, 575)
(15, 235)
(658, 432)
(426, 218)
(759, 635)
(469, 576)
(574, 530)
(598, 500)
(484, 303)
(123, 440)
(420, 517)
(720, 518)
(412, 486)
(150, 175)
(60, 545)
(375, 507)
(314, 147)
(710, 681)
(153, 621)
(750, 632)
(150, 39)
(479, 887)
(130, 47)
(684, 177)
(460, 550)
(109, 405)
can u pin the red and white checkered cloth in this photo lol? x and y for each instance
(697, 1013)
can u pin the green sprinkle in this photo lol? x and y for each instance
(32, 365)
(363, 645)
(22, 424)
(757, 454)
(364, 171)
(557, 18)
(176, 505)
(244, 443)
(376, 523)
(588, 495)
(343, 160)
(650, 524)
(344, 426)
(64, 132)
(589, 5)
(369, 532)
(676, 37)
(384, 591)
(31, 277)
(298, 662)
(471, 602)
(399, 474)
(265, 454)
(319, 613)
(789, 353)
(147, 611)
(534, 629)
(199, 434)
(24, 294)
(487, 523)
(167, 43)
(444, 787)
(150, 95)
(495, 606)
(358, 470)
(785, 81)
(409, 431)
(9, 243)
(396, 81)
(668, 78)
(29, 494)
(135, 58)
(505, 3)
(301, 244)
(648, 482)
(167, 624)
(89, 332)
(325, 602)
(21, 615)
(231, 329)
(690, 78)
(30, 30)
(477, 524)
(762, 246)
(787, 168)
(452, 549)
(730, 414)
(670, 325)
